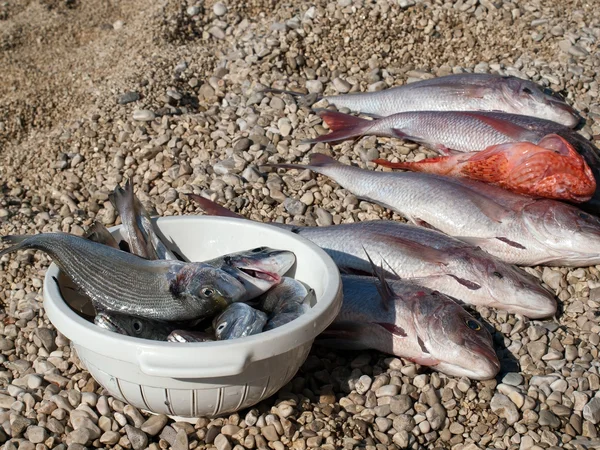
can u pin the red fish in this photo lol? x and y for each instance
(551, 169)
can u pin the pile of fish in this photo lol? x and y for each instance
(138, 287)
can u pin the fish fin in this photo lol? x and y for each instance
(18, 241)
(316, 160)
(393, 328)
(511, 243)
(479, 241)
(416, 249)
(503, 126)
(489, 207)
(425, 360)
(468, 284)
(385, 291)
(343, 126)
(213, 208)
(99, 233)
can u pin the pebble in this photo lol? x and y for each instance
(143, 115)
(591, 411)
(502, 406)
(219, 9)
(128, 97)
(154, 424)
(314, 86)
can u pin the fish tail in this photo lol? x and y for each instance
(316, 162)
(343, 126)
(18, 241)
(213, 208)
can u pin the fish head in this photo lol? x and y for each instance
(525, 95)
(508, 287)
(205, 289)
(189, 336)
(258, 269)
(552, 223)
(449, 334)
(239, 319)
(132, 326)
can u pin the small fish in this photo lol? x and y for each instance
(460, 92)
(118, 281)
(258, 269)
(239, 320)
(425, 257)
(190, 336)
(550, 169)
(137, 225)
(515, 228)
(411, 322)
(286, 302)
(133, 326)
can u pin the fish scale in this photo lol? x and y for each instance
(515, 228)
(119, 281)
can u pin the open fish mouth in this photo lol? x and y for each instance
(265, 275)
(107, 323)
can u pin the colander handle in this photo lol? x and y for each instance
(220, 364)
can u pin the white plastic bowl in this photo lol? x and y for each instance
(187, 380)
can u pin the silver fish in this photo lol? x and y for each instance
(133, 326)
(238, 320)
(414, 323)
(189, 336)
(258, 269)
(137, 225)
(516, 229)
(99, 233)
(286, 302)
(460, 92)
(427, 258)
(122, 282)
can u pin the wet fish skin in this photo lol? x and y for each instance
(190, 336)
(425, 257)
(122, 282)
(412, 322)
(550, 169)
(137, 225)
(238, 320)
(133, 326)
(515, 228)
(285, 302)
(99, 233)
(461, 92)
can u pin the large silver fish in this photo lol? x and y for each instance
(460, 92)
(122, 282)
(286, 301)
(426, 257)
(411, 322)
(137, 225)
(133, 326)
(238, 320)
(515, 228)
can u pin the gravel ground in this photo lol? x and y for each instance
(166, 93)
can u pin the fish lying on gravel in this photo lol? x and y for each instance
(190, 336)
(122, 282)
(426, 257)
(516, 229)
(552, 168)
(411, 322)
(239, 320)
(460, 92)
(286, 302)
(133, 326)
(137, 225)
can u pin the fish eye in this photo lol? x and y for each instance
(473, 325)
(222, 326)
(137, 326)
(207, 292)
(498, 275)
(583, 215)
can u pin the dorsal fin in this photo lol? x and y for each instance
(385, 290)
